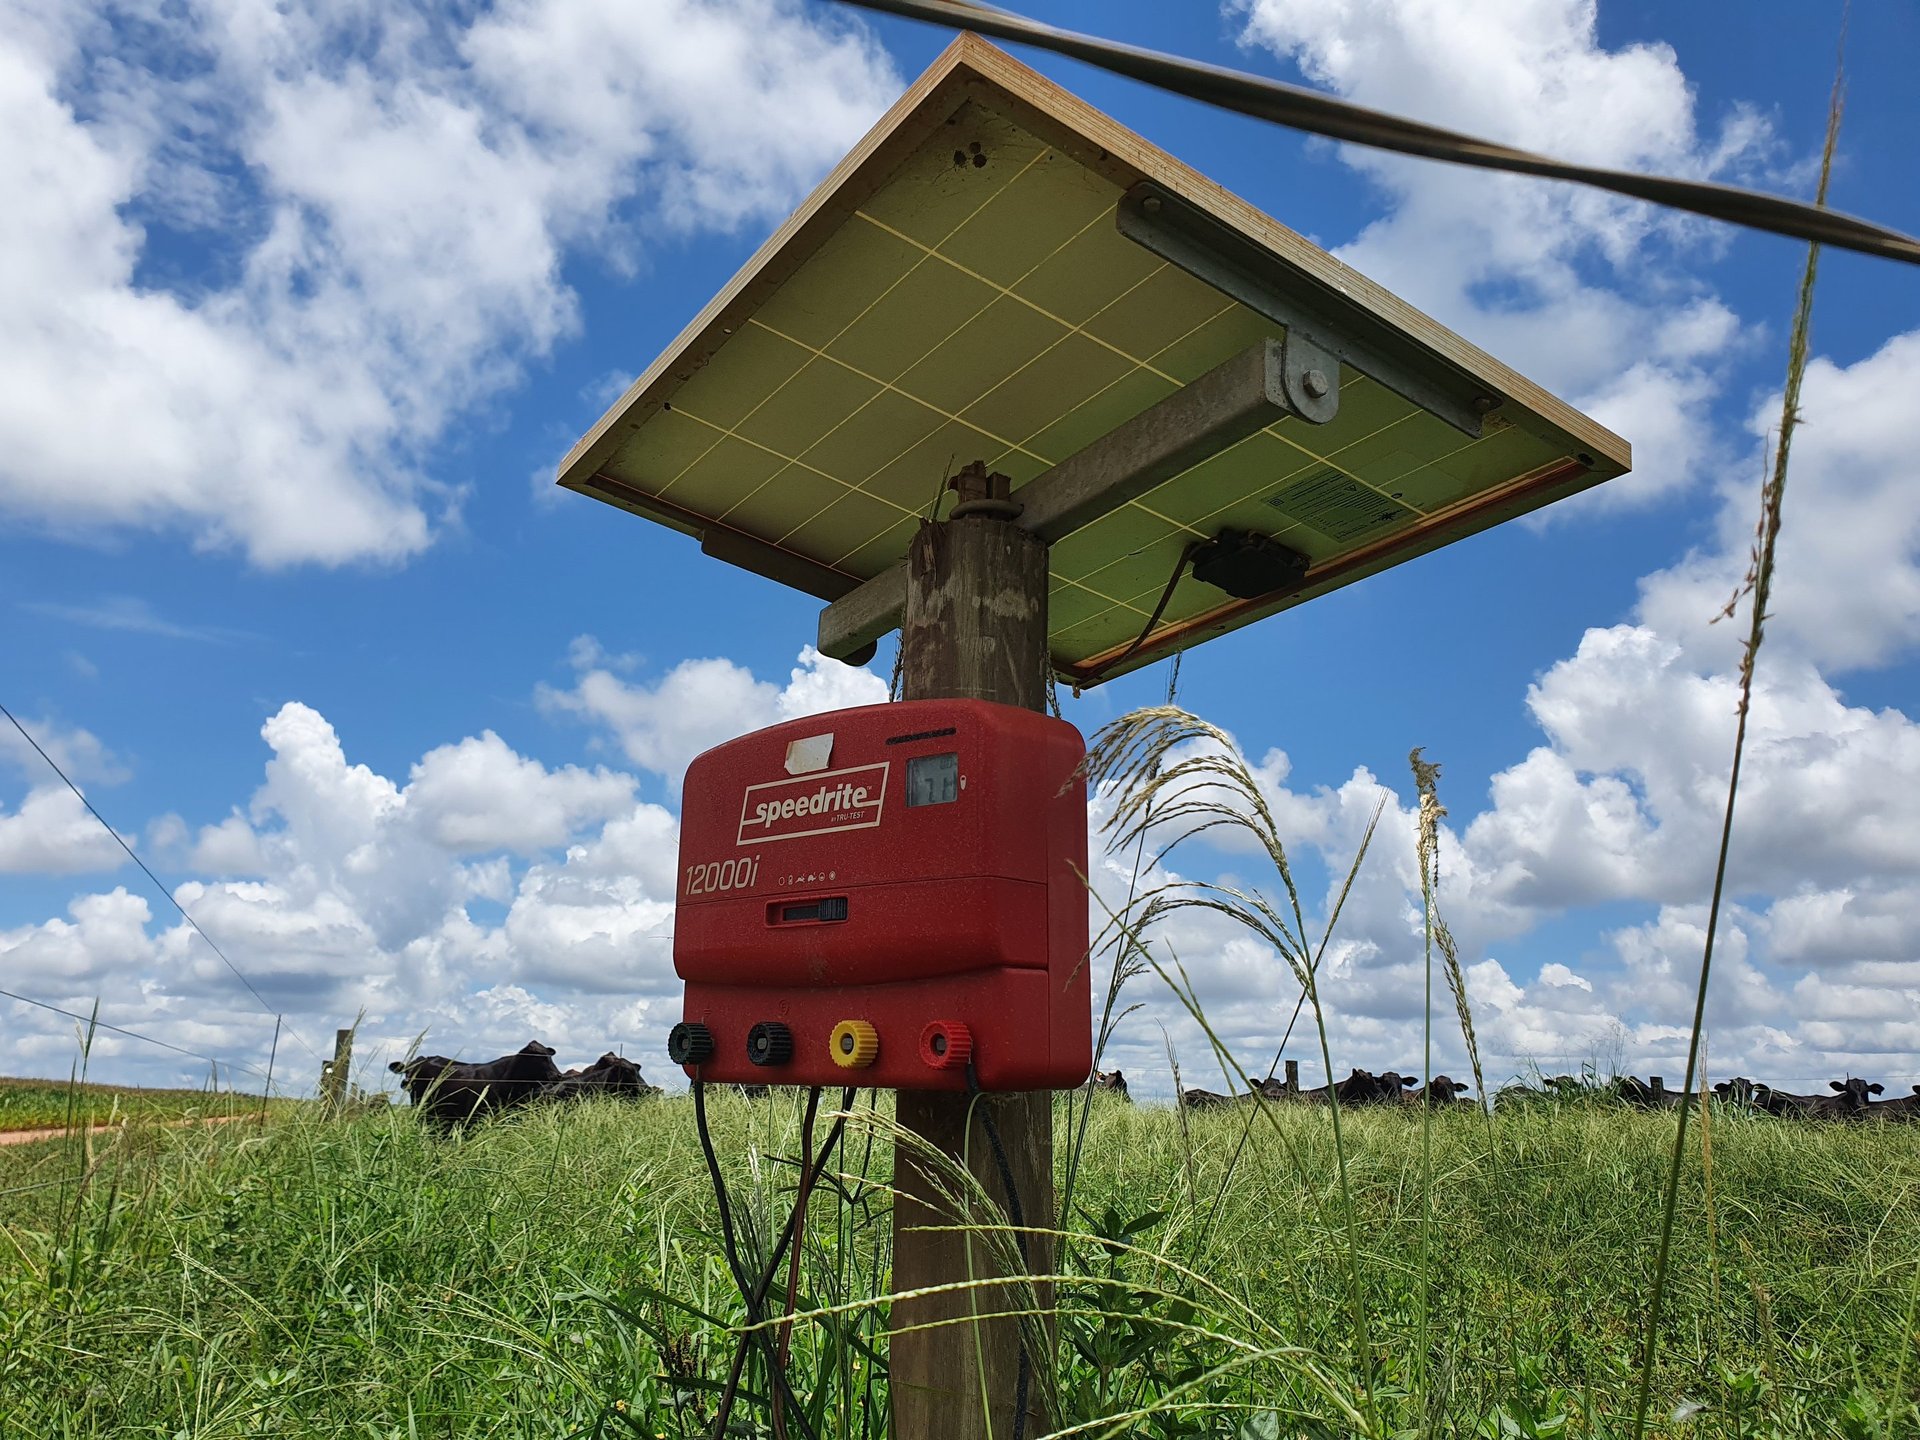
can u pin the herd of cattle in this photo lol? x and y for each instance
(1851, 1098)
(451, 1092)
(1362, 1087)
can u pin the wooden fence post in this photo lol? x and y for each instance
(975, 627)
(1293, 1078)
(334, 1073)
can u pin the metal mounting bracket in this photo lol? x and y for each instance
(1185, 236)
(1309, 378)
(1265, 383)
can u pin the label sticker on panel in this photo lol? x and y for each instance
(813, 753)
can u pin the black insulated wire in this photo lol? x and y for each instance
(1317, 114)
(1187, 553)
(755, 1295)
(752, 1295)
(797, 1228)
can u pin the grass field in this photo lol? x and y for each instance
(558, 1275)
(38, 1104)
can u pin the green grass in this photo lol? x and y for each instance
(38, 1104)
(559, 1275)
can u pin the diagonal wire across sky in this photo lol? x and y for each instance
(93, 1022)
(1299, 108)
(158, 885)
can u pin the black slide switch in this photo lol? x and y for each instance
(834, 907)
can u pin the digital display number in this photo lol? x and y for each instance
(933, 779)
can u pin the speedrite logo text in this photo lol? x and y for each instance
(825, 802)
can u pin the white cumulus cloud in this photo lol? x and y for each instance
(700, 703)
(53, 834)
(388, 199)
(1847, 591)
(1518, 265)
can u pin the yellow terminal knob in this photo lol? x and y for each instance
(855, 1044)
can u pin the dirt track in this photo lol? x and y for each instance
(54, 1132)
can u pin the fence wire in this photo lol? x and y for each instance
(1298, 108)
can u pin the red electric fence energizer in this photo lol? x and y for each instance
(883, 896)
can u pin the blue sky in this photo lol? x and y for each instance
(302, 314)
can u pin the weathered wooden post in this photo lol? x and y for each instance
(334, 1073)
(1293, 1079)
(1659, 1089)
(975, 628)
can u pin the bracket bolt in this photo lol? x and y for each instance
(1314, 382)
(1151, 204)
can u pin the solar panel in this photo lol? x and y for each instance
(999, 272)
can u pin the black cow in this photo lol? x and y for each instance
(1110, 1081)
(1390, 1088)
(1549, 1090)
(1362, 1087)
(1360, 1083)
(1904, 1108)
(1256, 1090)
(420, 1071)
(609, 1075)
(452, 1092)
(1850, 1103)
(1205, 1099)
(1634, 1091)
(1268, 1089)
(1737, 1092)
(1440, 1092)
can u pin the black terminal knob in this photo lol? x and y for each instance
(769, 1043)
(689, 1043)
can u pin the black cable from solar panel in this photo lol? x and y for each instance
(1146, 630)
(156, 881)
(754, 1296)
(99, 1024)
(1301, 109)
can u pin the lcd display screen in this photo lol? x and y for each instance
(933, 779)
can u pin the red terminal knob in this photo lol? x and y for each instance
(946, 1045)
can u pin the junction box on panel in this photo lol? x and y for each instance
(884, 897)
